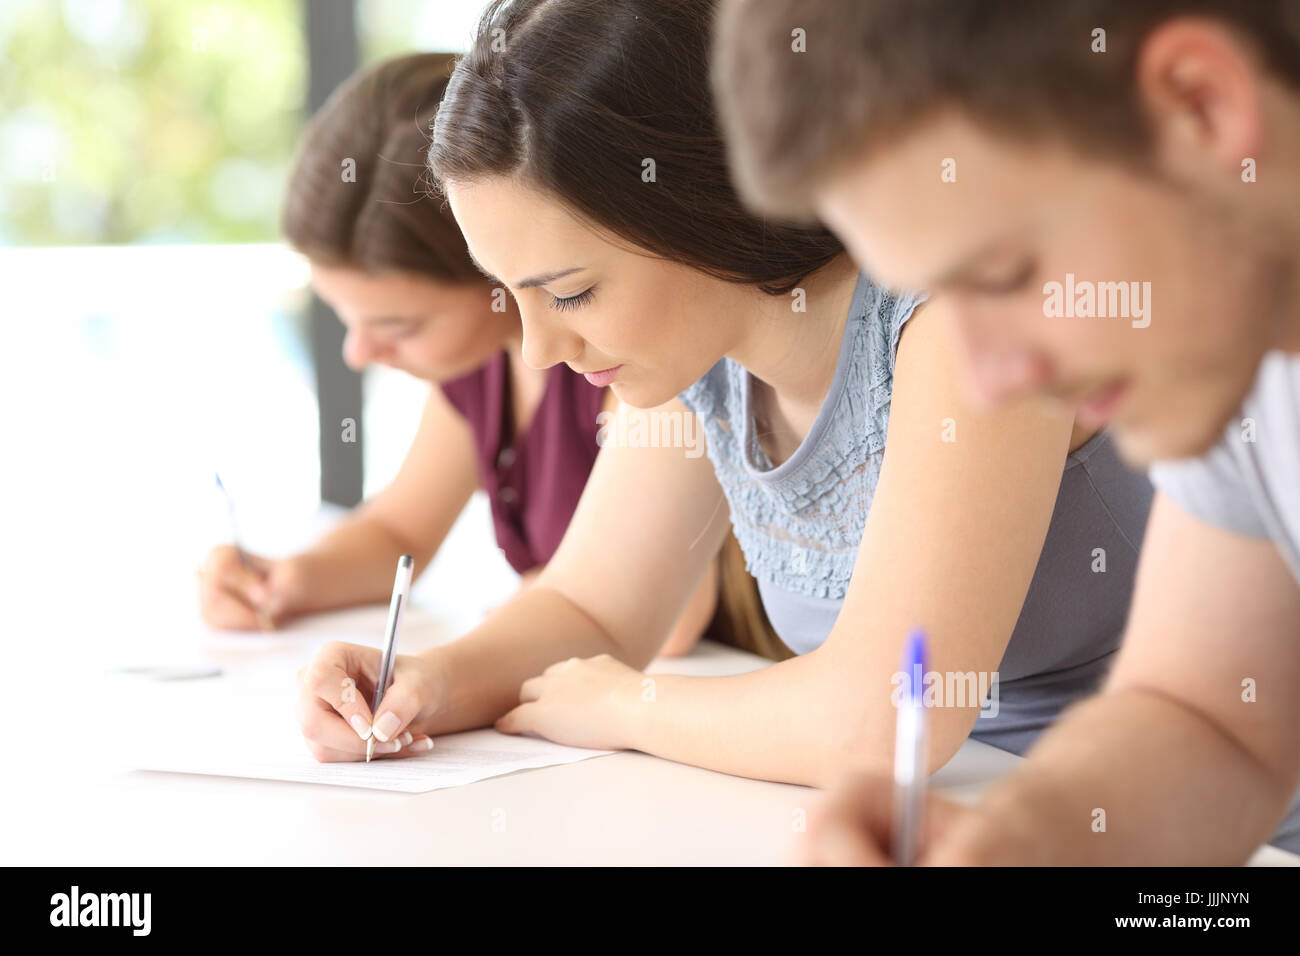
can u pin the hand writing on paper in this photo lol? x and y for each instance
(333, 708)
(239, 596)
(852, 826)
(582, 703)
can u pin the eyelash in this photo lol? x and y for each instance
(1014, 284)
(573, 301)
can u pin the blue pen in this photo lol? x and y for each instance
(263, 617)
(910, 753)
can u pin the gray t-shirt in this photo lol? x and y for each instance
(1250, 482)
(800, 524)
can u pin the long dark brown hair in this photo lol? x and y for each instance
(359, 193)
(573, 96)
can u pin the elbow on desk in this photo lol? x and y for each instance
(867, 743)
(944, 746)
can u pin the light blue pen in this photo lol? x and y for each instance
(263, 616)
(910, 753)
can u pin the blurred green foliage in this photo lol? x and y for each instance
(158, 121)
(147, 120)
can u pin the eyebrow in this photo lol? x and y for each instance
(392, 320)
(530, 283)
(536, 281)
(957, 273)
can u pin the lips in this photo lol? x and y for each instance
(1096, 409)
(602, 378)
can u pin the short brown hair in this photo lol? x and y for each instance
(874, 68)
(384, 218)
(573, 95)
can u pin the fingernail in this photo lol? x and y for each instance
(389, 748)
(406, 738)
(386, 725)
(360, 725)
(425, 744)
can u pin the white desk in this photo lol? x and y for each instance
(626, 808)
(69, 804)
(623, 808)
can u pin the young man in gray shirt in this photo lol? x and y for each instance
(1250, 482)
(1108, 192)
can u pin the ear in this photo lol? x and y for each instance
(1199, 84)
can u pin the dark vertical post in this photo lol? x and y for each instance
(332, 56)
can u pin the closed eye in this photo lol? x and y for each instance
(408, 333)
(1014, 282)
(573, 301)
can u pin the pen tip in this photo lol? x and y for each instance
(370, 748)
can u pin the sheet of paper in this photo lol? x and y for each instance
(244, 726)
(455, 760)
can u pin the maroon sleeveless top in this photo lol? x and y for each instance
(533, 480)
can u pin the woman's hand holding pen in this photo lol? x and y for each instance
(245, 592)
(333, 703)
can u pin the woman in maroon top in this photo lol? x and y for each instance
(392, 264)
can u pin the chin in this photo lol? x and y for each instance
(438, 376)
(638, 396)
(1145, 443)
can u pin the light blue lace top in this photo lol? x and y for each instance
(800, 524)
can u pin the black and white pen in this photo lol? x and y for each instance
(401, 592)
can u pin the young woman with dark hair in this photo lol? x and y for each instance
(392, 263)
(578, 148)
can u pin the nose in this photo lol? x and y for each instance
(1001, 376)
(545, 343)
(358, 350)
(999, 364)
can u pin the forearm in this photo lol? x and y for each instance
(354, 563)
(739, 724)
(482, 671)
(1157, 769)
(790, 722)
